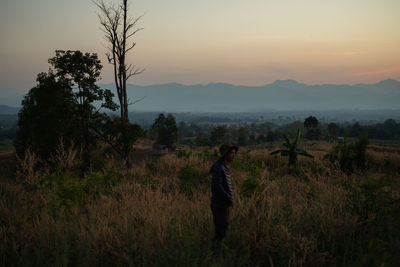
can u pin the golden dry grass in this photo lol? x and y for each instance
(147, 218)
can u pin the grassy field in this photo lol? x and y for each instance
(158, 212)
(6, 145)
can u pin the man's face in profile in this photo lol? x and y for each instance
(230, 156)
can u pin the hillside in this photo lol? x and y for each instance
(280, 95)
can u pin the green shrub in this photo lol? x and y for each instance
(210, 154)
(183, 154)
(350, 155)
(153, 167)
(378, 214)
(72, 192)
(97, 183)
(249, 185)
(189, 178)
(252, 168)
(373, 197)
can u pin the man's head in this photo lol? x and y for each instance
(228, 152)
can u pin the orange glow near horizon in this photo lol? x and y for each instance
(240, 42)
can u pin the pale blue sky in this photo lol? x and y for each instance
(251, 42)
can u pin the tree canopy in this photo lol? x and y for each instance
(312, 125)
(166, 130)
(62, 105)
(49, 114)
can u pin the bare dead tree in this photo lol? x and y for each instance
(119, 29)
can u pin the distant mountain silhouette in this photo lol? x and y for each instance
(279, 95)
(287, 83)
(6, 110)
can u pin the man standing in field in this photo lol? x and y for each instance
(221, 188)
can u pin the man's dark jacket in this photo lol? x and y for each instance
(221, 186)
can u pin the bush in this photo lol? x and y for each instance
(183, 154)
(189, 178)
(70, 190)
(153, 167)
(210, 154)
(373, 196)
(350, 155)
(253, 169)
(249, 185)
(378, 213)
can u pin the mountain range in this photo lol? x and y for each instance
(279, 95)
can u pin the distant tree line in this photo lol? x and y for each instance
(256, 133)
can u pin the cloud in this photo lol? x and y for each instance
(346, 54)
(389, 70)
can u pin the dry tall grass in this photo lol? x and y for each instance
(145, 217)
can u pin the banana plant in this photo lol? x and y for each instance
(291, 150)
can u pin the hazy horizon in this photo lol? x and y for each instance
(279, 95)
(190, 42)
(244, 85)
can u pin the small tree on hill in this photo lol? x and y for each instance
(291, 150)
(333, 130)
(82, 71)
(120, 135)
(218, 134)
(48, 115)
(166, 130)
(271, 136)
(312, 125)
(62, 106)
(356, 130)
(243, 138)
(350, 155)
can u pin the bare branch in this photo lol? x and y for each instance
(135, 72)
(134, 32)
(118, 28)
(134, 102)
(130, 48)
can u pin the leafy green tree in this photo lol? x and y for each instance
(356, 130)
(201, 138)
(243, 138)
(182, 129)
(62, 106)
(48, 115)
(261, 138)
(166, 131)
(120, 135)
(82, 71)
(271, 136)
(390, 125)
(360, 148)
(291, 150)
(218, 135)
(333, 130)
(312, 125)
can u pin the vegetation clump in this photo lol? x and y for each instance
(190, 178)
(350, 155)
(291, 150)
(157, 212)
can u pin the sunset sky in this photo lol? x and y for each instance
(252, 42)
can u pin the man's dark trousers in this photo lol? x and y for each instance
(220, 214)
